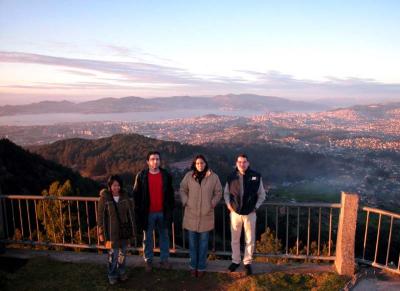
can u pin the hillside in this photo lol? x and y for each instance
(125, 154)
(22, 172)
(371, 112)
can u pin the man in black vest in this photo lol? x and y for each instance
(244, 193)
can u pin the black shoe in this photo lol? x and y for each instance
(233, 267)
(249, 270)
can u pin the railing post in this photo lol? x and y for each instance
(2, 219)
(3, 222)
(345, 259)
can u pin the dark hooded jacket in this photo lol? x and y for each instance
(141, 197)
(107, 216)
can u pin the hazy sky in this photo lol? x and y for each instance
(80, 50)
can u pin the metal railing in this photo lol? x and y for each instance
(385, 248)
(50, 221)
(72, 222)
(283, 231)
(312, 215)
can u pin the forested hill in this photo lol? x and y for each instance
(23, 172)
(120, 154)
(126, 154)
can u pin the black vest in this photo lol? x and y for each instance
(251, 184)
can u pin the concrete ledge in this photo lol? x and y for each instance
(177, 263)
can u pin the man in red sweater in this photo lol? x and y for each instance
(154, 204)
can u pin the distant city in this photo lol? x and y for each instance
(350, 134)
(374, 127)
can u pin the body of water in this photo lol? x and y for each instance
(55, 118)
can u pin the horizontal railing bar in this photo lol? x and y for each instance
(39, 197)
(281, 256)
(72, 245)
(377, 265)
(82, 198)
(380, 211)
(175, 251)
(288, 256)
(51, 244)
(303, 204)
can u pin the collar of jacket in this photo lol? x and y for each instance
(236, 174)
(108, 196)
(208, 174)
(146, 170)
(245, 173)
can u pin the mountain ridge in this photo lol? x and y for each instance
(139, 104)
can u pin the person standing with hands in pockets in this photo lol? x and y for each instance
(243, 194)
(200, 192)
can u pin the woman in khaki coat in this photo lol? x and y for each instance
(200, 192)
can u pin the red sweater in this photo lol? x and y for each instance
(156, 192)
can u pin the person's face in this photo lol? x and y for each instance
(115, 188)
(154, 162)
(200, 165)
(242, 164)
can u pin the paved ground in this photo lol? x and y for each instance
(376, 279)
(376, 284)
(177, 263)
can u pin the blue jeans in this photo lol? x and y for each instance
(198, 249)
(116, 260)
(156, 219)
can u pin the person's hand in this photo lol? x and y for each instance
(108, 244)
(101, 238)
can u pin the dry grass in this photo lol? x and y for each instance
(45, 274)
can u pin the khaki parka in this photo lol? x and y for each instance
(199, 201)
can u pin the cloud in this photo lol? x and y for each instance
(74, 86)
(332, 86)
(135, 53)
(155, 77)
(138, 71)
(79, 73)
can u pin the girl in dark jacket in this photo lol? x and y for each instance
(116, 226)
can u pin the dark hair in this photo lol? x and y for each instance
(242, 155)
(112, 179)
(153, 153)
(193, 166)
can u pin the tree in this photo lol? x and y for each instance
(268, 244)
(53, 213)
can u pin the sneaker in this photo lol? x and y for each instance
(165, 265)
(193, 273)
(200, 274)
(249, 270)
(123, 277)
(233, 267)
(148, 267)
(112, 281)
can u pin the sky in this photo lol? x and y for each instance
(301, 50)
